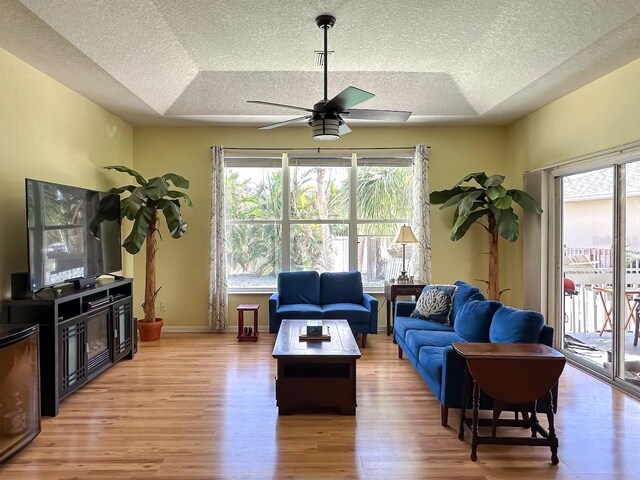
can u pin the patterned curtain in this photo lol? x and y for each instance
(218, 300)
(421, 223)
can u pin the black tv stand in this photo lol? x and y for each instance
(82, 333)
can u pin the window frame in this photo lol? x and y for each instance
(352, 222)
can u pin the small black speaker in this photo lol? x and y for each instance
(83, 283)
(20, 286)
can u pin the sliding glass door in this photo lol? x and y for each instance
(587, 273)
(598, 269)
(629, 365)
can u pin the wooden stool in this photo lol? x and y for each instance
(251, 307)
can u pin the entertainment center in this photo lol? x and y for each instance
(86, 322)
(82, 333)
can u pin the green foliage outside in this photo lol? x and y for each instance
(315, 193)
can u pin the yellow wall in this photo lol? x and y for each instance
(48, 132)
(183, 263)
(603, 114)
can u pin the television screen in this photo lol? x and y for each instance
(61, 245)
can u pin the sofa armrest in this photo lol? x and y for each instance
(274, 303)
(453, 369)
(371, 303)
(404, 309)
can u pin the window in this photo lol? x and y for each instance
(314, 212)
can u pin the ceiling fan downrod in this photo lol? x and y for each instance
(325, 22)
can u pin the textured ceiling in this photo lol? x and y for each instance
(186, 61)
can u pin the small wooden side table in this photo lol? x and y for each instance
(393, 289)
(511, 374)
(248, 307)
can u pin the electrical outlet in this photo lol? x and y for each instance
(163, 306)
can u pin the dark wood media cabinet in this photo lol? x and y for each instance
(82, 333)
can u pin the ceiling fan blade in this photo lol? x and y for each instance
(385, 115)
(286, 122)
(349, 97)
(271, 104)
(343, 129)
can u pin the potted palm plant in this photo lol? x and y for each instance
(143, 206)
(490, 202)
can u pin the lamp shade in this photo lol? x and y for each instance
(406, 235)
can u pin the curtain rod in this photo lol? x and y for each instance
(318, 149)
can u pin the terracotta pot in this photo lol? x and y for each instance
(150, 331)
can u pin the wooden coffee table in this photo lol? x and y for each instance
(319, 374)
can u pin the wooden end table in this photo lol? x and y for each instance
(511, 374)
(248, 307)
(318, 374)
(394, 289)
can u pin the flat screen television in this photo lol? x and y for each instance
(61, 245)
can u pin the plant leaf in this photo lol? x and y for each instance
(460, 228)
(507, 223)
(496, 192)
(119, 190)
(479, 177)
(503, 202)
(133, 243)
(493, 181)
(108, 210)
(175, 223)
(440, 196)
(466, 204)
(526, 201)
(133, 203)
(456, 198)
(121, 168)
(176, 194)
(157, 188)
(178, 180)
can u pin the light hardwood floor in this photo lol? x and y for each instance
(201, 406)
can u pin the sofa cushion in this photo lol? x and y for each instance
(352, 312)
(299, 287)
(430, 363)
(474, 319)
(511, 325)
(416, 339)
(463, 293)
(435, 303)
(299, 310)
(401, 325)
(341, 287)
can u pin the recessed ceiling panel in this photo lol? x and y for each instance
(226, 93)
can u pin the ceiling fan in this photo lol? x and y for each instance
(327, 117)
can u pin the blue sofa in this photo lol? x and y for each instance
(335, 295)
(427, 344)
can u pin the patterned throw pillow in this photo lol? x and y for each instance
(435, 303)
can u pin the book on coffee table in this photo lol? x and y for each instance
(323, 335)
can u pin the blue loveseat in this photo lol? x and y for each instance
(335, 295)
(427, 344)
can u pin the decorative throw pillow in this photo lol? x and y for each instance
(435, 303)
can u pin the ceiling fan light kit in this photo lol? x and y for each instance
(325, 128)
(325, 118)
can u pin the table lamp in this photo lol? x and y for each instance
(405, 236)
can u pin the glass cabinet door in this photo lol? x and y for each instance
(122, 330)
(73, 367)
